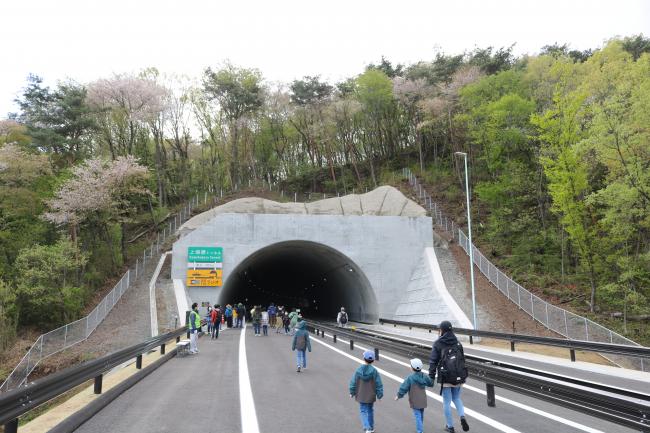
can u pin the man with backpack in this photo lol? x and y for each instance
(215, 320)
(342, 318)
(448, 362)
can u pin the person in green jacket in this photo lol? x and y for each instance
(366, 388)
(301, 344)
(415, 385)
(293, 316)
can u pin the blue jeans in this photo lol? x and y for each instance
(265, 329)
(449, 395)
(367, 412)
(256, 326)
(419, 419)
(301, 358)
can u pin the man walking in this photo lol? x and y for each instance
(342, 318)
(194, 325)
(448, 361)
(215, 320)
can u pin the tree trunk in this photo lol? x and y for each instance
(123, 242)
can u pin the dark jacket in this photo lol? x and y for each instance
(446, 340)
(301, 335)
(366, 385)
(415, 385)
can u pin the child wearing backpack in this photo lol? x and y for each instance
(448, 361)
(415, 385)
(301, 343)
(366, 387)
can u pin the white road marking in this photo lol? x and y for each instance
(478, 416)
(502, 399)
(246, 403)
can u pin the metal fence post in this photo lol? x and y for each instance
(566, 325)
(65, 336)
(586, 330)
(532, 305)
(547, 321)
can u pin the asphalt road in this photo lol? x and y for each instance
(200, 393)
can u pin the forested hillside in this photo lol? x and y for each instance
(558, 145)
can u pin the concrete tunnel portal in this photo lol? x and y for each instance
(370, 253)
(308, 275)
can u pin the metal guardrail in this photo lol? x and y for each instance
(556, 319)
(19, 401)
(617, 405)
(73, 333)
(572, 345)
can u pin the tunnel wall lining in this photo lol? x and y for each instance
(386, 248)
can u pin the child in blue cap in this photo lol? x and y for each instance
(366, 388)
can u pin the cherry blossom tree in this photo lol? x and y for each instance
(126, 106)
(99, 187)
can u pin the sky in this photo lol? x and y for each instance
(85, 40)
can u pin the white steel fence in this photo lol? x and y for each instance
(559, 320)
(68, 335)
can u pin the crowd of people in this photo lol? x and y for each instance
(446, 363)
(279, 318)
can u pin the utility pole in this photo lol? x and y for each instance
(471, 245)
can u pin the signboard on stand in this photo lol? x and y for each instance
(204, 267)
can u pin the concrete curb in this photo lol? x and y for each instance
(153, 308)
(74, 421)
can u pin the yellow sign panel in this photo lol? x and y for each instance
(204, 277)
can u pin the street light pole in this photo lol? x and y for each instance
(471, 245)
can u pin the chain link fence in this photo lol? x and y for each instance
(559, 320)
(68, 335)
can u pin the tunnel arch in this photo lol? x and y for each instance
(301, 274)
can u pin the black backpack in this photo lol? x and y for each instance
(344, 318)
(452, 367)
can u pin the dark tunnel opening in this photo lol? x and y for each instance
(307, 275)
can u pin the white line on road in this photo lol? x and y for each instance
(246, 402)
(531, 409)
(478, 416)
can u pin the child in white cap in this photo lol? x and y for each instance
(415, 385)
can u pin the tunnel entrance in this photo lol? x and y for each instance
(307, 275)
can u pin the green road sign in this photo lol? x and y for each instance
(205, 254)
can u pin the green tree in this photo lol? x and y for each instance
(25, 180)
(239, 93)
(58, 121)
(561, 130)
(48, 291)
(374, 90)
(8, 316)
